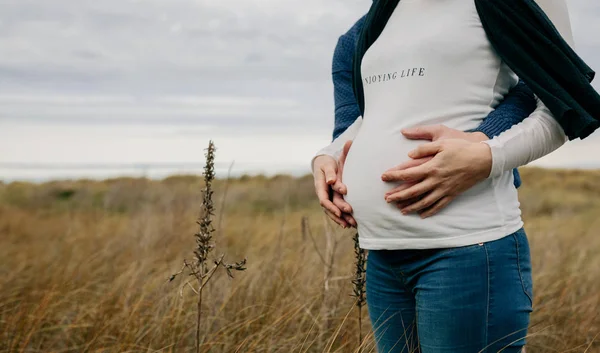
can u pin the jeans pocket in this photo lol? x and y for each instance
(524, 263)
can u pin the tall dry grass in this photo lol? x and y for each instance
(84, 267)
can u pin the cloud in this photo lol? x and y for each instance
(193, 43)
(187, 69)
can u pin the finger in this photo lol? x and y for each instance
(350, 220)
(411, 163)
(340, 203)
(426, 150)
(436, 207)
(412, 174)
(323, 195)
(321, 187)
(425, 202)
(430, 132)
(399, 188)
(414, 191)
(336, 219)
(407, 203)
(345, 151)
(340, 187)
(330, 172)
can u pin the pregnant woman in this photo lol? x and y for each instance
(459, 281)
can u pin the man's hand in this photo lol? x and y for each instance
(432, 181)
(328, 174)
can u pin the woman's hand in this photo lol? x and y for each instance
(328, 178)
(441, 132)
(439, 172)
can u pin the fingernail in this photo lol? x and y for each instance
(384, 178)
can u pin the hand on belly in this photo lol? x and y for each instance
(453, 166)
(421, 193)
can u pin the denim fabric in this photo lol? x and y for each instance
(468, 299)
(518, 104)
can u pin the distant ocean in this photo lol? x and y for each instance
(42, 172)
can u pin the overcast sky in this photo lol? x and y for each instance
(118, 82)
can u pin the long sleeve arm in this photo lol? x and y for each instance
(346, 106)
(347, 113)
(535, 137)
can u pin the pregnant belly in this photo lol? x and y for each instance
(369, 158)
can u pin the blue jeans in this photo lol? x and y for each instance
(470, 299)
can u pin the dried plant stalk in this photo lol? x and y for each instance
(359, 284)
(199, 267)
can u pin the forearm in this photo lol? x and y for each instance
(535, 137)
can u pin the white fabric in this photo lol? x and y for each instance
(433, 64)
(535, 137)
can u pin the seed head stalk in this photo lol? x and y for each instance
(199, 267)
(359, 284)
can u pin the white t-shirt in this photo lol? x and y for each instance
(433, 64)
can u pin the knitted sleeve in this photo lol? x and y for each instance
(518, 104)
(346, 107)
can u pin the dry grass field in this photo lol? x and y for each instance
(84, 266)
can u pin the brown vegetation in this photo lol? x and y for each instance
(85, 266)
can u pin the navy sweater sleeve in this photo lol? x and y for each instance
(346, 108)
(518, 104)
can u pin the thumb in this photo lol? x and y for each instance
(330, 172)
(426, 150)
(345, 151)
(422, 132)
